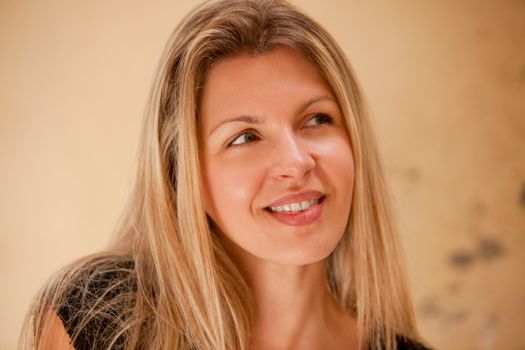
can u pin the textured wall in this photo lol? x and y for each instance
(445, 81)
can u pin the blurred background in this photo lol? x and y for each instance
(445, 81)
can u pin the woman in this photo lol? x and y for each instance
(259, 217)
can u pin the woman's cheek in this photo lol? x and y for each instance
(334, 146)
(337, 158)
(236, 179)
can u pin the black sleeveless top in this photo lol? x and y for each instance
(98, 292)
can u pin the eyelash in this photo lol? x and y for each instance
(327, 119)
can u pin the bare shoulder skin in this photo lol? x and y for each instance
(54, 335)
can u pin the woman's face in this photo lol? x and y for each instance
(278, 166)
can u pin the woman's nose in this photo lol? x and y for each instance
(291, 158)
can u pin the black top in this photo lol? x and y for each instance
(407, 344)
(98, 293)
(95, 290)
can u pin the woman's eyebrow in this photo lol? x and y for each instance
(242, 118)
(256, 120)
(313, 100)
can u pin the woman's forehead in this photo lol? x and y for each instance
(260, 84)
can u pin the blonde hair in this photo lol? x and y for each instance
(175, 286)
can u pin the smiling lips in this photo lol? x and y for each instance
(299, 209)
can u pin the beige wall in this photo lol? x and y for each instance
(445, 81)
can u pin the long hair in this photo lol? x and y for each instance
(182, 290)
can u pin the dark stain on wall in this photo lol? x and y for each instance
(430, 307)
(490, 249)
(456, 317)
(462, 259)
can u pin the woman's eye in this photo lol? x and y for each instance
(247, 137)
(319, 119)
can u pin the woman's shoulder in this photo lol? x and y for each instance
(95, 300)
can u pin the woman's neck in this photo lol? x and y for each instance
(294, 309)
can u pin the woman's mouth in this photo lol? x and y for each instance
(298, 213)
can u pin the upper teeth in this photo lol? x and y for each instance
(295, 207)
